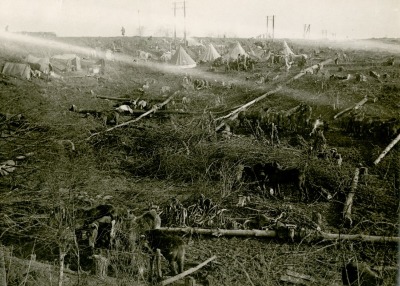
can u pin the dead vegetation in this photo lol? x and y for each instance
(178, 161)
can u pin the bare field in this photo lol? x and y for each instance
(176, 154)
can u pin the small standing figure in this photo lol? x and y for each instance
(123, 31)
(6, 28)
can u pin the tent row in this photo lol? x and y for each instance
(60, 63)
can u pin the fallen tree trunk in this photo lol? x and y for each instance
(310, 69)
(169, 112)
(187, 272)
(115, 98)
(349, 200)
(360, 237)
(222, 232)
(273, 234)
(244, 106)
(355, 107)
(152, 110)
(387, 149)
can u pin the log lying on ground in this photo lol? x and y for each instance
(115, 98)
(349, 200)
(166, 112)
(152, 110)
(235, 112)
(310, 69)
(358, 237)
(222, 232)
(273, 234)
(387, 149)
(187, 272)
(355, 107)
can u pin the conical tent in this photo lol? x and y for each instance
(233, 54)
(210, 54)
(286, 50)
(182, 59)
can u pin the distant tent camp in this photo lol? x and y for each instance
(182, 59)
(237, 49)
(66, 62)
(210, 54)
(18, 70)
(42, 64)
(193, 42)
(286, 50)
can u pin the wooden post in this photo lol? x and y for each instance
(355, 107)
(349, 201)
(387, 149)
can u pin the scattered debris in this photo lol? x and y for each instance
(374, 74)
(360, 77)
(296, 278)
(7, 167)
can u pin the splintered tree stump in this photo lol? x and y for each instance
(101, 263)
(158, 263)
(349, 201)
(3, 273)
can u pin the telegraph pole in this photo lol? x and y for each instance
(273, 27)
(272, 19)
(175, 24)
(182, 6)
(306, 33)
(139, 29)
(184, 23)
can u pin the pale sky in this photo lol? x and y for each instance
(242, 18)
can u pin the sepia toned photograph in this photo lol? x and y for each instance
(199, 142)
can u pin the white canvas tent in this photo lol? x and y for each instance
(66, 62)
(235, 51)
(18, 70)
(210, 54)
(182, 59)
(42, 64)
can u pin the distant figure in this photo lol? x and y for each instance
(7, 28)
(123, 31)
